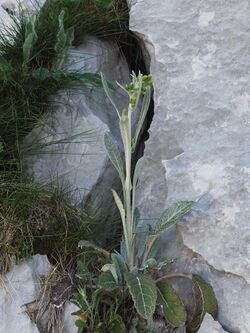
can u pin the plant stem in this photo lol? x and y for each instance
(129, 213)
(175, 275)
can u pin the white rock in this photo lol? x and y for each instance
(199, 138)
(5, 20)
(25, 6)
(69, 320)
(209, 325)
(82, 166)
(20, 286)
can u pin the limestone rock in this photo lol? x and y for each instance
(81, 163)
(199, 138)
(25, 6)
(210, 325)
(68, 319)
(20, 286)
(5, 20)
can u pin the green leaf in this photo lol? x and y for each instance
(144, 110)
(137, 173)
(120, 265)
(107, 281)
(118, 325)
(82, 271)
(107, 91)
(143, 292)
(120, 207)
(206, 300)
(81, 301)
(112, 269)
(41, 74)
(64, 41)
(136, 176)
(171, 216)
(80, 324)
(173, 308)
(162, 262)
(30, 39)
(114, 155)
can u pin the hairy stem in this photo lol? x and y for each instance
(175, 275)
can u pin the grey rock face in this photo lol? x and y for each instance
(69, 320)
(210, 325)
(26, 6)
(21, 286)
(81, 162)
(21, 297)
(5, 20)
(199, 139)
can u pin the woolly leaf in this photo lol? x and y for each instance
(137, 173)
(118, 325)
(171, 216)
(120, 207)
(81, 301)
(144, 110)
(107, 281)
(173, 308)
(112, 269)
(206, 300)
(30, 39)
(41, 74)
(120, 265)
(64, 41)
(114, 155)
(143, 292)
(107, 91)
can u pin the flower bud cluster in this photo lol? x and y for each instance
(138, 86)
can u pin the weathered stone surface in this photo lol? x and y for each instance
(20, 286)
(199, 139)
(26, 6)
(210, 325)
(5, 20)
(82, 163)
(69, 320)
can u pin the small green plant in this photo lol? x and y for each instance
(128, 275)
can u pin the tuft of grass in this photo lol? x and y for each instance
(101, 18)
(39, 219)
(33, 218)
